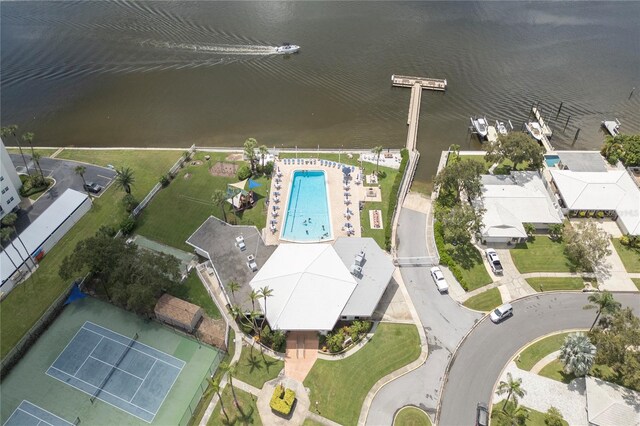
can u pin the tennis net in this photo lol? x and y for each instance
(113, 368)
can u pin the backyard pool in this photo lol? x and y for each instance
(307, 215)
(551, 160)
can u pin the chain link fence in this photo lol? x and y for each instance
(195, 403)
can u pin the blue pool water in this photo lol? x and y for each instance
(551, 160)
(307, 214)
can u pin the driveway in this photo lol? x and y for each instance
(489, 347)
(63, 171)
(445, 322)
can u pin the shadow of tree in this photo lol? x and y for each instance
(465, 255)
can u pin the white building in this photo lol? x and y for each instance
(512, 200)
(41, 236)
(9, 183)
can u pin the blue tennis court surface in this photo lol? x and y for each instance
(28, 414)
(120, 371)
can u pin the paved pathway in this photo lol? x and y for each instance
(544, 362)
(302, 352)
(544, 393)
(616, 278)
(301, 408)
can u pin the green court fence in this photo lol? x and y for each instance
(194, 405)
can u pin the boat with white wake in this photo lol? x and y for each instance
(287, 49)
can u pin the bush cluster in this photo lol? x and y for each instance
(445, 256)
(282, 400)
(129, 202)
(275, 340)
(334, 341)
(393, 197)
(630, 241)
(244, 172)
(32, 185)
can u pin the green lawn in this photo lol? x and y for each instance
(341, 386)
(45, 152)
(310, 422)
(256, 368)
(535, 352)
(630, 256)
(180, 208)
(486, 301)
(636, 281)
(554, 370)
(192, 290)
(556, 283)
(535, 418)
(27, 302)
(245, 414)
(411, 416)
(472, 269)
(541, 255)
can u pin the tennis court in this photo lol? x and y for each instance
(129, 375)
(28, 414)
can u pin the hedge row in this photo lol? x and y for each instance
(393, 197)
(282, 400)
(445, 257)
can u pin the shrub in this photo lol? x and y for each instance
(244, 172)
(127, 225)
(282, 400)
(165, 180)
(600, 215)
(555, 231)
(129, 202)
(393, 198)
(107, 230)
(279, 341)
(624, 240)
(553, 417)
(530, 229)
(268, 168)
(32, 185)
(335, 341)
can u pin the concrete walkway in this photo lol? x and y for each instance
(616, 278)
(544, 362)
(302, 352)
(543, 393)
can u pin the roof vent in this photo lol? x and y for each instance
(360, 258)
(355, 270)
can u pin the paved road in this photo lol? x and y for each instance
(65, 176)
(445, 324)
(481, 358)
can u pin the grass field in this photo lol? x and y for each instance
(630, 256)
(180, 208)
(256, 368)
(192, 290)
(556, 283)
(310, 422)
(555, 370)
(245, 414)
(535, 418)
(27, 302)
(472, 269)
(535, 352)
(341, 392)
(411, 416)
(636, 281)
(485, 301)
(541, 255)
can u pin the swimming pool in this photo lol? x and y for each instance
(307, 215)
(551, 160)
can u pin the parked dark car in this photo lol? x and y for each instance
(482, 415)
(92, 187)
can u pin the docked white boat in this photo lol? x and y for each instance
(613, 127)
(502, 128)
(480, 126)
(534, 130)
(287, 49)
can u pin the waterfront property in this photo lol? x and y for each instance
(512, 200)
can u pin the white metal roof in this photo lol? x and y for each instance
(514, 199)
(611, 190)
(40, 230)
(310, 284)
(611, 404)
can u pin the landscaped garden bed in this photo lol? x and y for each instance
(344, 336)
(282, 401)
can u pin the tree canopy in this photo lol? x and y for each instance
(132, 278)
(459, 223)
(461, 176)
(625, 148)
(587, 246)
(518, 147)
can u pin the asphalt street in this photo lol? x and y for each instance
(63, 171)
(481, 358)
(445, 324)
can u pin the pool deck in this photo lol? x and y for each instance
(335, 195)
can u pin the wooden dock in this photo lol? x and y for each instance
(424, 82)
(546, 130)
(414, 116)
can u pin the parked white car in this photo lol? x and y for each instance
(494, 260)
(438, 278)
(501, 313)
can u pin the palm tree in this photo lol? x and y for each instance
(214, 386)
(605, 303)
(28, 138)
(511, 387)
(456, 151)
(124, 179)
(233, 286)
(80, 170)
(250, 152)
(263, 150)
(219, 198)
(231, 371)
(9, 220)
(577, 354)
(254, 296)
(516, 415)
(5, 235)
(264, 293)
(36, 157)
(11, 130)
(377, 151)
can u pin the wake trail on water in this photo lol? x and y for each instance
(223, 49)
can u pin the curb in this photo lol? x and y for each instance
(409, 406)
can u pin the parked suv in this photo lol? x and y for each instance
(494, 260)
(501, 313)
(482, 414)
(92, 187)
